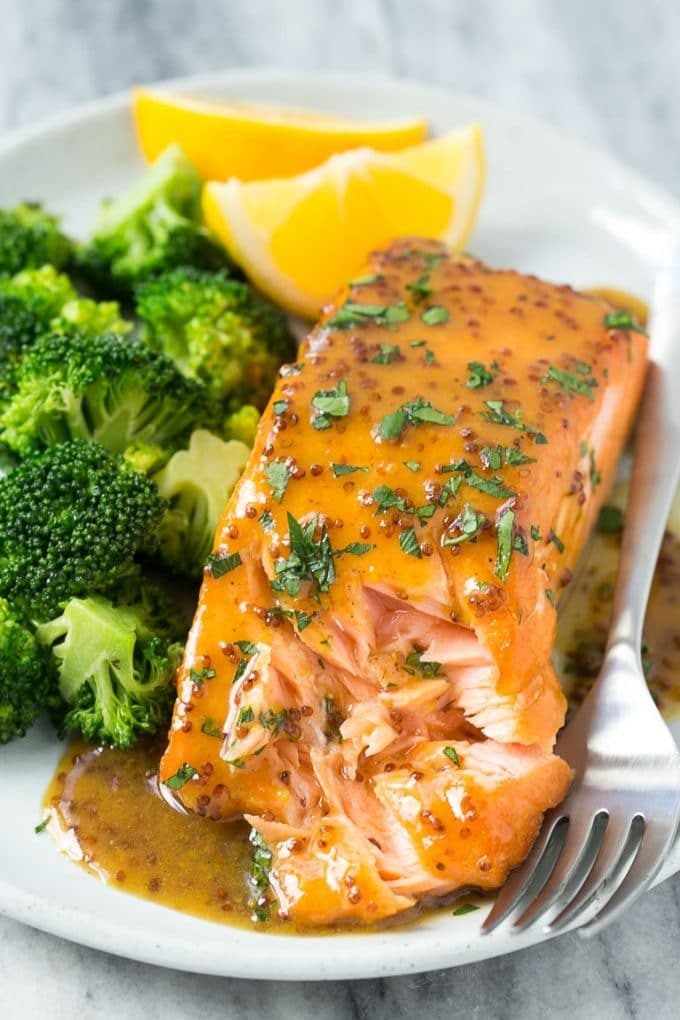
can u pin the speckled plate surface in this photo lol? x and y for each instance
(554, 207)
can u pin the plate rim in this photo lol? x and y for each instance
(77, 925)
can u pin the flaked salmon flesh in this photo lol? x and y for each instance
(368, 677)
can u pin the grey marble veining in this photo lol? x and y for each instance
(606, 70)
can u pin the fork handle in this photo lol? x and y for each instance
(656, 465)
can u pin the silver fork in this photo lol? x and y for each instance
(602, 847)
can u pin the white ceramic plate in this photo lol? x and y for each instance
(553, 207)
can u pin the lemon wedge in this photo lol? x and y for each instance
(299, 239)
(253, 143)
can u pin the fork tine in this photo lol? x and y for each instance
(578, 852)
(523, 880)
(614, 843)
(656, 841)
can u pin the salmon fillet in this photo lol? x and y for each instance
(368, 677)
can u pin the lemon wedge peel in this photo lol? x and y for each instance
(302, 269)
(253, 142)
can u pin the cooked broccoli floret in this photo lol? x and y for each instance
(7, 461)
(88, 316)
(26, 679)
(109, 389)
(44, 291)
(71, 521)
(216, 330)
(115, 669)
(39, 300)
(161, 612)
(30, 237)
(154, 226)
(196, 483)
(146, 457)
(242, 424)
(28, 303)
(19, 329)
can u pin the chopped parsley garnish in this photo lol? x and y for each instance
(246, 715)
(550, 595)
(302, 620)
(511, 455)
(236, 763)
(556, 541)
(266, 520)
(356, 549)
(310, 559)
(409, 544)
(422, 411)
(392, 425)
(499, 416)
(610, 520)
(504, 529)
(41, 826)
(491, 457)
(465, 908)
(420, 288)
(273, 720)
(491, 486)
(330, 404)
(219, 565)
(424, 512)
(387, 354)
(198, 676)
(494, 457)
(334, 719)
(396, 313)
(278, 476)
(519, 543)
(595, 476)
(582, 383)
(417, 343)
(262, 858)
(181, 777)
(353, 314)
(435, 315)
(387, 499)
(416, 412)
(413, 663)
(248, 649)
(413, 465)
(479, 376)
(429, 357)
(345, 469)
(465, 528)
(622, 320)
(450, 488)
(452, 755)
(211, 729)
(280, 406)
(535, 533)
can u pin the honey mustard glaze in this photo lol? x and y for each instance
(107, 812)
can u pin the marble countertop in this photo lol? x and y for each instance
(601, 69)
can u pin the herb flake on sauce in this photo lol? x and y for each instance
(181, 777)
(218, 564)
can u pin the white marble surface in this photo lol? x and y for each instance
(606, 70)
